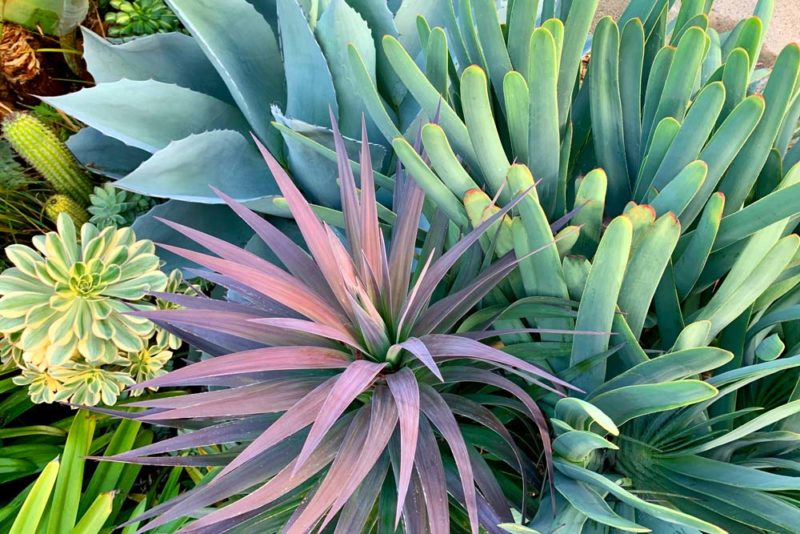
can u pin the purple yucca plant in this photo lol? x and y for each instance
(338, 377)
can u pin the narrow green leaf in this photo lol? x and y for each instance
(663, 513)
(521, 23)
(107, 474)
(695, 131)
(693, 336)
(587, 501)
(596, 311)
(517, 113)
(754, 425)
(429, 99)
(606, 110)
(631, 65)
(95, 517)
(728, 302)
(668, 368)
(436, 60)
(751, 158)
(67, 493)
(693, 259)
(493, 44)
(630, 402)
(544, 143)
(33, 508)
(723, 148)
(576, 28)
(680, 81)
(482, 130)
(590, 198)
(648, 260)
(680, 191)
(435, 190)
(445, 162)
(735, 76)
(663, 138)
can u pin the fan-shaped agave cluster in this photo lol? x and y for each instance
(700, 185)
(346, 379)
(64, 311)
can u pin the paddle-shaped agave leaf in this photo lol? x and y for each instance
(340, 344)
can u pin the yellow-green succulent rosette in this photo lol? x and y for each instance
(64, 305)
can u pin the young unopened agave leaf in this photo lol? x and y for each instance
(349, 383)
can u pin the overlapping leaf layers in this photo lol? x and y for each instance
(172, 113)
(346, 380)
(689, 196)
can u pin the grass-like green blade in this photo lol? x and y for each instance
(689, 10)
(522, 21)
(493, 44)
(106, 476)
(694, 133)
(95, 517)
(680, 81)
(749, 38)
(728, 303)
(589, 502)
(541, 272)
(751, 158)
(30, 514)
(436, 60)
(735, 76)
(469, 31)
(668, 308)
(783, 203)
(67, 493)
(631, 64)
(444, 160)
(369, 95)
(435, 190)
(658, 511)
(429, 98)
(630, 402)
(544, 143)
(722, 149)
(590, 198)
(665, 134)
(648, 260)
(599, 303)
(576, 28)
(657, 76)
(482, 130)
(606, 110)
(693, 259)
(518, 99)
(680, 191)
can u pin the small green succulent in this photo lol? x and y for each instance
(140, 17)
(65, 303)
(110, 206)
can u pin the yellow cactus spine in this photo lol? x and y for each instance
(58, 204)
(40, 147)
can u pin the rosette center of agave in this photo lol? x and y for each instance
(354, 344)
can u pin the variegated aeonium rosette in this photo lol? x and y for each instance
(64, 311)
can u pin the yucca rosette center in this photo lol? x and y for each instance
(343, 361)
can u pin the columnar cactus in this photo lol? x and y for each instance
(58, 204)
(40, 147)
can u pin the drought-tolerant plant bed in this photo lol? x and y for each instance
(410, 266)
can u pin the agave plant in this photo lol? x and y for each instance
(64, 307)
(208, 90)
(335, 365)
